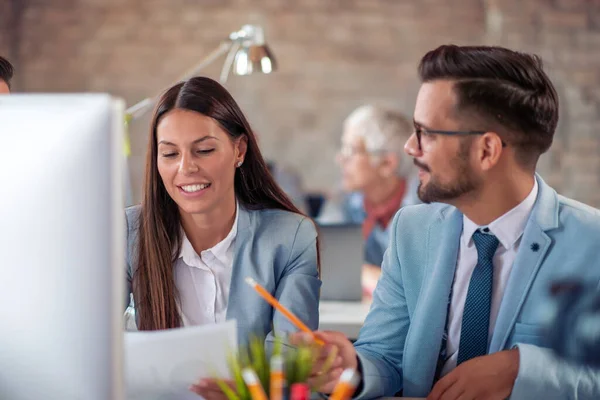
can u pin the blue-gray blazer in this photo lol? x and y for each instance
(276, 248)
(400, 342)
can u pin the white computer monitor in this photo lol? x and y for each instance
(61, 247)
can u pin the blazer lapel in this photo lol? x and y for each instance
(442, 252)
(238, 287)
(532, 250)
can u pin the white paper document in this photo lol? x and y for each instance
(161, 365)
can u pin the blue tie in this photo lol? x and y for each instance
(476, 317)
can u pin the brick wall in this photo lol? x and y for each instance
(6, 18)
(333, 55)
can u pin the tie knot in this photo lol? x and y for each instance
(486, 245)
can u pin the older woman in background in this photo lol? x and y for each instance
(377, 179)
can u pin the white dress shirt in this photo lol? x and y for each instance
(203, 280)
(508, 229)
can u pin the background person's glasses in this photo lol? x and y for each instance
(349, 151)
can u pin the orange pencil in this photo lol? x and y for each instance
(254, 387)
(346, 385)
(277, 305)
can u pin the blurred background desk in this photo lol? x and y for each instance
(344, 316)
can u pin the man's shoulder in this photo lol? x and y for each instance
(580, 209)
(573, 214)
(420, 215)
(415, 225)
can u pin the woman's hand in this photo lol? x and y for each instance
(210, 390)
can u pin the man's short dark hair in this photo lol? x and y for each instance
(6, 70)
(507, 90)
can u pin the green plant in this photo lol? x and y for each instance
(298, 365)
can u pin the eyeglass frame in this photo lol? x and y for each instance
(419, 129)
(353, 151)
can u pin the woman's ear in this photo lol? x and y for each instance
(241, 146)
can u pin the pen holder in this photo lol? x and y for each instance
(257, 356)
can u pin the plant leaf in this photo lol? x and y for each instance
(228, 391)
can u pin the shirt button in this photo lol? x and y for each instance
(486, 230)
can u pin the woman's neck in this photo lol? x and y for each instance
(206, 230)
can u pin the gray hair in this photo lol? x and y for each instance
(383, 131)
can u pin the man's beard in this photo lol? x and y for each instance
(464, 183)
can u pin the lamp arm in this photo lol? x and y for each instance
(222, 49)
(229, 62)
(140, 108)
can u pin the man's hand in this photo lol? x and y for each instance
(338, 351)
(487, 377)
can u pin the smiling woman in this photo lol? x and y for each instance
(212, 215)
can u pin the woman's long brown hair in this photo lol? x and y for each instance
(159, 226)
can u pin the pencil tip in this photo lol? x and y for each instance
(250, 281)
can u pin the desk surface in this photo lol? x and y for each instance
(346, 317)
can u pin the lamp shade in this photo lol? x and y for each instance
(254, 58)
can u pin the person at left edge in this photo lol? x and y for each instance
(6, 74)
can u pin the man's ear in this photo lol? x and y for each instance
(489, 150)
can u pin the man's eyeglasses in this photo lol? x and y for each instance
(419, 132)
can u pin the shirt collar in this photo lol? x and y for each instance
(383, 213)
(219, 251)
(509, 227)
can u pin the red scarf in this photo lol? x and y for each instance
(383, 213)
